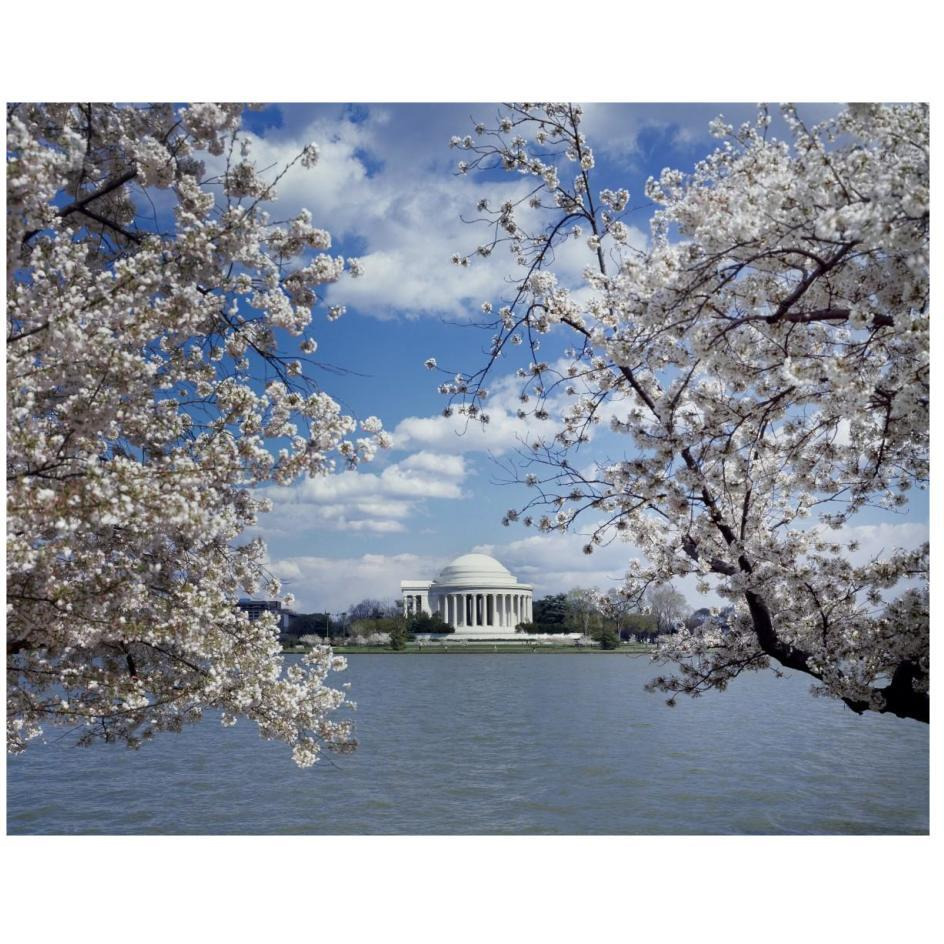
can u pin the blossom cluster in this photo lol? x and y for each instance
(766, 358)
(136, 430)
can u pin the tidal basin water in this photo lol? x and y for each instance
(510, 744)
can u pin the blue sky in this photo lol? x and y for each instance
(386, 189)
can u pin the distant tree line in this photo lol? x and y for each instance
(369, 622)
(610, 618)
(607, 619)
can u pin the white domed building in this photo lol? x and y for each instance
(475, 595)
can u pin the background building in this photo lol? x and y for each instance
(255, 609)
(475, 594)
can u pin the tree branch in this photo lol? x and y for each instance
(80, 205)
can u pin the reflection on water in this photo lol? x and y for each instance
(481, 743)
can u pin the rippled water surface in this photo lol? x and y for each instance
(481, 743)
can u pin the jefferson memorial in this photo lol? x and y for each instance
(474, 594)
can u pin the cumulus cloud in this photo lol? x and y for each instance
(552, 563)
(336, 584)
(882, 539)
(555, 563)
(380, 503)
(436, 463)
(386, 178)
(502, 434)
(389, 182)
(625, 132)
(505, 431)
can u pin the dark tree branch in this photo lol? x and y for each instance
(80, 205)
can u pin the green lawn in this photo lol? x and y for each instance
(458, 647)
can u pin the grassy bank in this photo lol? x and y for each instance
(632, 649)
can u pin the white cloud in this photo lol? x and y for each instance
(335, 584)
(390, 181)
(881, 540)
(391, 184)
(505, 431)
(618, 129)
(436, 463)
(552, 563)
(555, 563)
(458, 434)
(380, 503)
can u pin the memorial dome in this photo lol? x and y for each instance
(475, 570)
(475, 595)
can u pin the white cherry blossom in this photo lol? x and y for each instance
(766, 360)
(147, 288)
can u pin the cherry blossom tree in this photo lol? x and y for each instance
(765, 355)
(151, 298)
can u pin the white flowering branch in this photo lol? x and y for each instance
(769, 367)
(137, 428)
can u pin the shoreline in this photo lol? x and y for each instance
(481, 649)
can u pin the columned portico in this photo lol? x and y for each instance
(474, 594)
